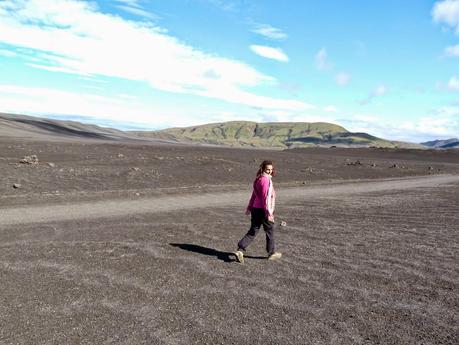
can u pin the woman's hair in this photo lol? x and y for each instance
(263, 166)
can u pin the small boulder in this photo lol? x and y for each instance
(16, 186)
(33, 159)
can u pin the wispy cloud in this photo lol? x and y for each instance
(322, 63)
(138, 12)
(377, 92)
(134, 7)
(453, 84)
(225, 5)
(442, 124)
(452, 50)
(77, 38)
(330, 109)
(343, 78)
(8, 53)
(447, 12)
(269, 52)
(270, 32)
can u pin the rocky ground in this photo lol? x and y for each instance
(359, 267)
(84, 169)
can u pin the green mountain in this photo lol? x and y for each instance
(273, 134)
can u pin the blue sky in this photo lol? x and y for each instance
(386, 67)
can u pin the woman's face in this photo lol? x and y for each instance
(268, 169)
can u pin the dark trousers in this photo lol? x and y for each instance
(259, 218)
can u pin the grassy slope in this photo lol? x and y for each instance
(282, 135)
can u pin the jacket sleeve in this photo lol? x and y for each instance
(252, 199)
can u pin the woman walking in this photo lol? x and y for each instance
(261, 208)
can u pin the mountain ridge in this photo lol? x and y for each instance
(442, 143)
(273, 134)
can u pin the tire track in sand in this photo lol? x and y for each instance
(117, 208)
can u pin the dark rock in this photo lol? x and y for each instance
(33, 159)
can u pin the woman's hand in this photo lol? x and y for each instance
(271, 219)
(247, 212)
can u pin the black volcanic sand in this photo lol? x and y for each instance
(376, 268)
(87, 170)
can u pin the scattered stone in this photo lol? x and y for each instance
(16, 185)
(33, 159)
(430, 168)
(52, 165)
(283, 223)
(137, 194)
(120, 155)
(394, 166)
(136, 169)
(373, 165)
(354, 163)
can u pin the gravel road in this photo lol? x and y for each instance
(111, 208)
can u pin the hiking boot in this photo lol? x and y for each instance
(275, 256)
(239, 256)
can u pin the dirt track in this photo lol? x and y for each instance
(119, 208)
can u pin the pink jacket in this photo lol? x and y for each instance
(263, 195)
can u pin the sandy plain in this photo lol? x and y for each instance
(121, 242)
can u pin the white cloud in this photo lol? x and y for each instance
(269, 52)
(134, 7)
(322, 62)
(225, 5)
(453, 84)
(121, 109)
(330, 109)
(442, 125)
(75, 37)
(131, 3)
(452, 51)
(138, 12)
(343, 78)
(447, 12)
(7, 53)
(380, 90)
(448, 111)
(270, 32)
(35, 100)
(367, 118)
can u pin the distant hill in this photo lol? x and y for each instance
(37, 128)
(234, 133)
(273, 134)
(442, 144)
(12, 125)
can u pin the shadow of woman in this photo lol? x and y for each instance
(224, 256)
